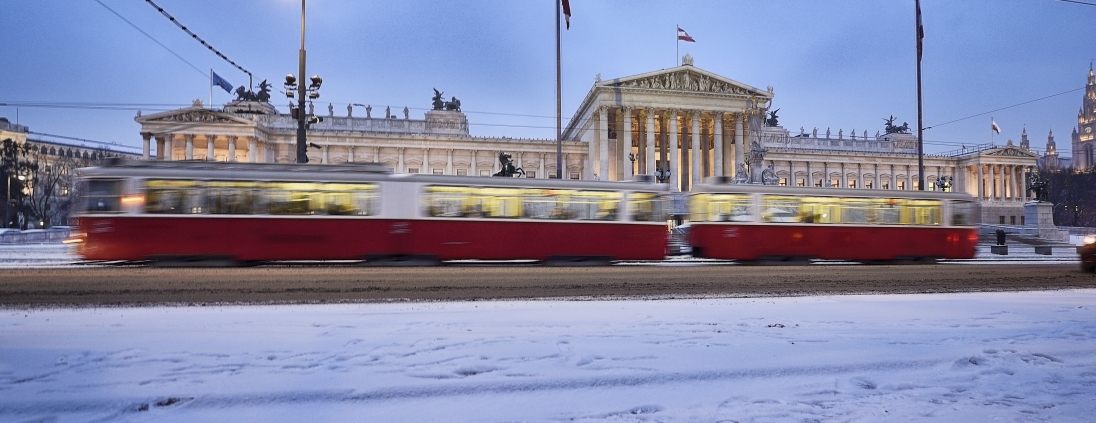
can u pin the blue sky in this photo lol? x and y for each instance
(842, 64)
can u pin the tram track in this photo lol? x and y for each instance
(97, 285)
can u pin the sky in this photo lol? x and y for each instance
(73, 68)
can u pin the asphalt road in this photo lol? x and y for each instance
(118, 286)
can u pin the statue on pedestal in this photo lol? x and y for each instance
(406, 113)
(740, 175)
(768, 176)
(508, 168)
(437, 102)
(1038, 187)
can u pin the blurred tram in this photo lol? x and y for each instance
(774, 223)
(195, 212)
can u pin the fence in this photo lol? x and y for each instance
(35, 236)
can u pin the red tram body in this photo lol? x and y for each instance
(757, 222)
(245, 212)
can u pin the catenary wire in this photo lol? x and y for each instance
(196, 37)
(201, 72)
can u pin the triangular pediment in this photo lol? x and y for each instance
(192, 115)
(686, 79)
(1010, 151)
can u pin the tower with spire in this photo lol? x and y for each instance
(1024, 144)
(1084, 137)
(1050, 158)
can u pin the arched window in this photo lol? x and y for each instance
(1089, 163)
(44, 150)
(52, 151)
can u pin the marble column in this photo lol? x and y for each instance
(189, 149)
(981, 183)
(323, 157)
(717, 123)
(231, 148)
(602, 172)
(376, 154)
(808, 181)
(400, 162)
(909, 178)
(1001, 182)
(625, 142)
(859, 176)
(146, 145)
(425, 168)
(739, 148)
(876, 171)
(843, 182)
(695, 161)
(893, 178)
(675, 153)
(540, 172)
(472, 171)
(350, 154)
(650, 150)
(169, 146)
(252, 149)
(449, 161)
(210, 154)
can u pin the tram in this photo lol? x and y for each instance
(773, 223)
(195, 212)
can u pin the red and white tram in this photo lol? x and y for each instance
(245, 212)
(759, 222)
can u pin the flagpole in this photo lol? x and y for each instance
(559, 100)
(677, 44)
(210, 88)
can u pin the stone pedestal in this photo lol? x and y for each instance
(446, 122)
(1001, 250)
(1045, 250)
(1039, 221)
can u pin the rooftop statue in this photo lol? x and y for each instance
(247, 95)
(773, 118)
(453, 105)
(508, 168)
(891, 128)
(438, 103)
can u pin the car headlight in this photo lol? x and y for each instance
(1090, 239)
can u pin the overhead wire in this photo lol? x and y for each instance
(196, 37)
(201, 72)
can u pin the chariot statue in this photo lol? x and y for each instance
(773, 118)
(438, 103)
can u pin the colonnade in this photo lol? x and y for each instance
(1000, 181)
(691, 144)
(166, 147)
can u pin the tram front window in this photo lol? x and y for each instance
(103, 196)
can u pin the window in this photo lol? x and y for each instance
(574, 175)
(172, 197)
(462, 172)
(103, 196)
(529, 203)
(721, 208)
(412, 170)
(1021, 220)
(886, 185)
(962, 213)
(1001, 220)
(868, 185)
(229, 197)
(916, 185)
(800, 182)
(834, 183)
(870, 211)
(901, 185)
(438, 171)
(1012, 220)
(484, 172)
(783, 182)
(645, 207)
(818, 184)
(531, 174)
(852, 183)
(333, 199)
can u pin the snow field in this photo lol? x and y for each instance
(944, 357)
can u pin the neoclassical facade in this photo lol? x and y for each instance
(683, 123)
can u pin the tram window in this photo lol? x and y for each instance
(103, 196)
(229, 197)
(961, 213)
(925, 212)
(492, 202)
(781, 209)
(445, 201)
(334, 199)
(721, 208)
(173, 197)
(645, 206)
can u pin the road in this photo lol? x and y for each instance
(130, 285)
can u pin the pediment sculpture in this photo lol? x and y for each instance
(685, 81)
(194, 116)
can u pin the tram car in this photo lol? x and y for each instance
(774, 223)
(195, 212)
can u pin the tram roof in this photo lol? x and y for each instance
(729, 188)
(372, 172)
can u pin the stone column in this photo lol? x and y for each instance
(893, 178)
(169, 146)
(1022, 181)
(400, 163)
(876, 171)
(517, 158)
(210, 154)
(808, 181)
(717, 138)
(540, 172)
(1001, 182)
(252, 149)
(425, 168)
(449, 161)
(675, 153)
(350, 154)
(909, 178)
(981, 183)
(323, 154)
(650, 150)
(826, 174)
(231, 148)
(625, 142)
(859, 176)
(189, 151)
(146, 145)
(603, 143)
(376, 154)
(695, 162)
(473, 171)
(739, 149)
(843, 182)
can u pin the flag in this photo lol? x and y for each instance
(684, 36)
(993, 127)
(220, 82)
(567, 12)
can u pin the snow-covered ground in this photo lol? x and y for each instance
(1027, 356)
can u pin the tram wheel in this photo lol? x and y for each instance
(408, 260)
(577, 261)
(196, 261)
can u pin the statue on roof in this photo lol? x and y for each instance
(773, 119)
(437, 102)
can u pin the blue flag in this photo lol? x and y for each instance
(220, 82)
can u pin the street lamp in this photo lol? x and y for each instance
(7, 208)
(312, 92)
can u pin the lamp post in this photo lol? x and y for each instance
(10, 202)
(312, 92)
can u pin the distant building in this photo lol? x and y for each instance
(1084, 136)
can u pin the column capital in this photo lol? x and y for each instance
(146, 135)
(673, 112)
(717, 114)
(627, 109)
(695, 114)
(603, 109)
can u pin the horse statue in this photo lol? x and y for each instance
(453, 105)
(438, 103)
(508, 168)
(1039, 188)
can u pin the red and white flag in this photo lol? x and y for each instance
(993, 126)
(567, 12)
(684, 36)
